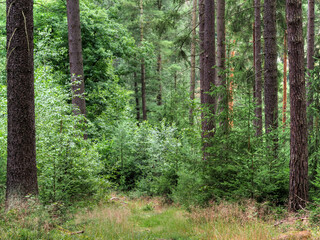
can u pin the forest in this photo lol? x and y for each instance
(159, 119)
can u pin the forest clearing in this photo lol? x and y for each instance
(203, 116)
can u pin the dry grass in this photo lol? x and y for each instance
(151, 218)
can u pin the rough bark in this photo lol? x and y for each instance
(270, 75)
(298, 191)
(221, 68)
(207, 44)
(193, 58)
(143, 69)
(257, 68)
(75, 57)
(310, 58)
(21, 157)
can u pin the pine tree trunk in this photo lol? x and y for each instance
(193, 59)
(21, 156)
(257, 68)
(310, 58)
(270, 76)
(298, 191)
(159, 66)
(136, 91)
(75, 57)
(143, 69)
(284, 106)
(221, 56)
(207, 44)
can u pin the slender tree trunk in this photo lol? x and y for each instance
(257, 69)
(136, 91)
(201, 39)
(159, 67)
(284, 106)
(230, 92)
(143, 69)
(310, 59)
(75, 57)
(193, 58)
(298, 191)
(207, 44)
(221, 57)
(21, 147)
(270, 76)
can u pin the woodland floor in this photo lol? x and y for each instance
(142, 218)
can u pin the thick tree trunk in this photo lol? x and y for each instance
(75, 57)
(298, 192)
(221, 56)
(159, 67)
(21, 157)
(143, 69)
(207, 44)
(270, 76)
(257, 68)
(310, 58)
(193, 59)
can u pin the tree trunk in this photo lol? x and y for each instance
(298, 191)
(143, 69)
(284, 106)
(257, 69)
(21, 157)
(221, 56)
(75, 57)
(310, 59)
(193, 59)
(207, 44)
(270, 76)
(159, 66)
(136, 91)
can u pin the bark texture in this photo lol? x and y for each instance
(75, 57)
(270, 75)
(21, 157)
(310, 57)
(298, 191)
(221, 67)
(257, 67)
(207, 44)
(193, 58)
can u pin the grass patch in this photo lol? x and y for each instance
(145, 219)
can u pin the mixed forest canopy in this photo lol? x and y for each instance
(196, 100)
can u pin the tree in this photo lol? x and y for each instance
(21, 156)
(207, 71)
(221, 67)
(298, 191)
(284, 105)
(270, 71)
(193, 57)
(310, 57)
(75, 57)
(257, 69)
(143, 69)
